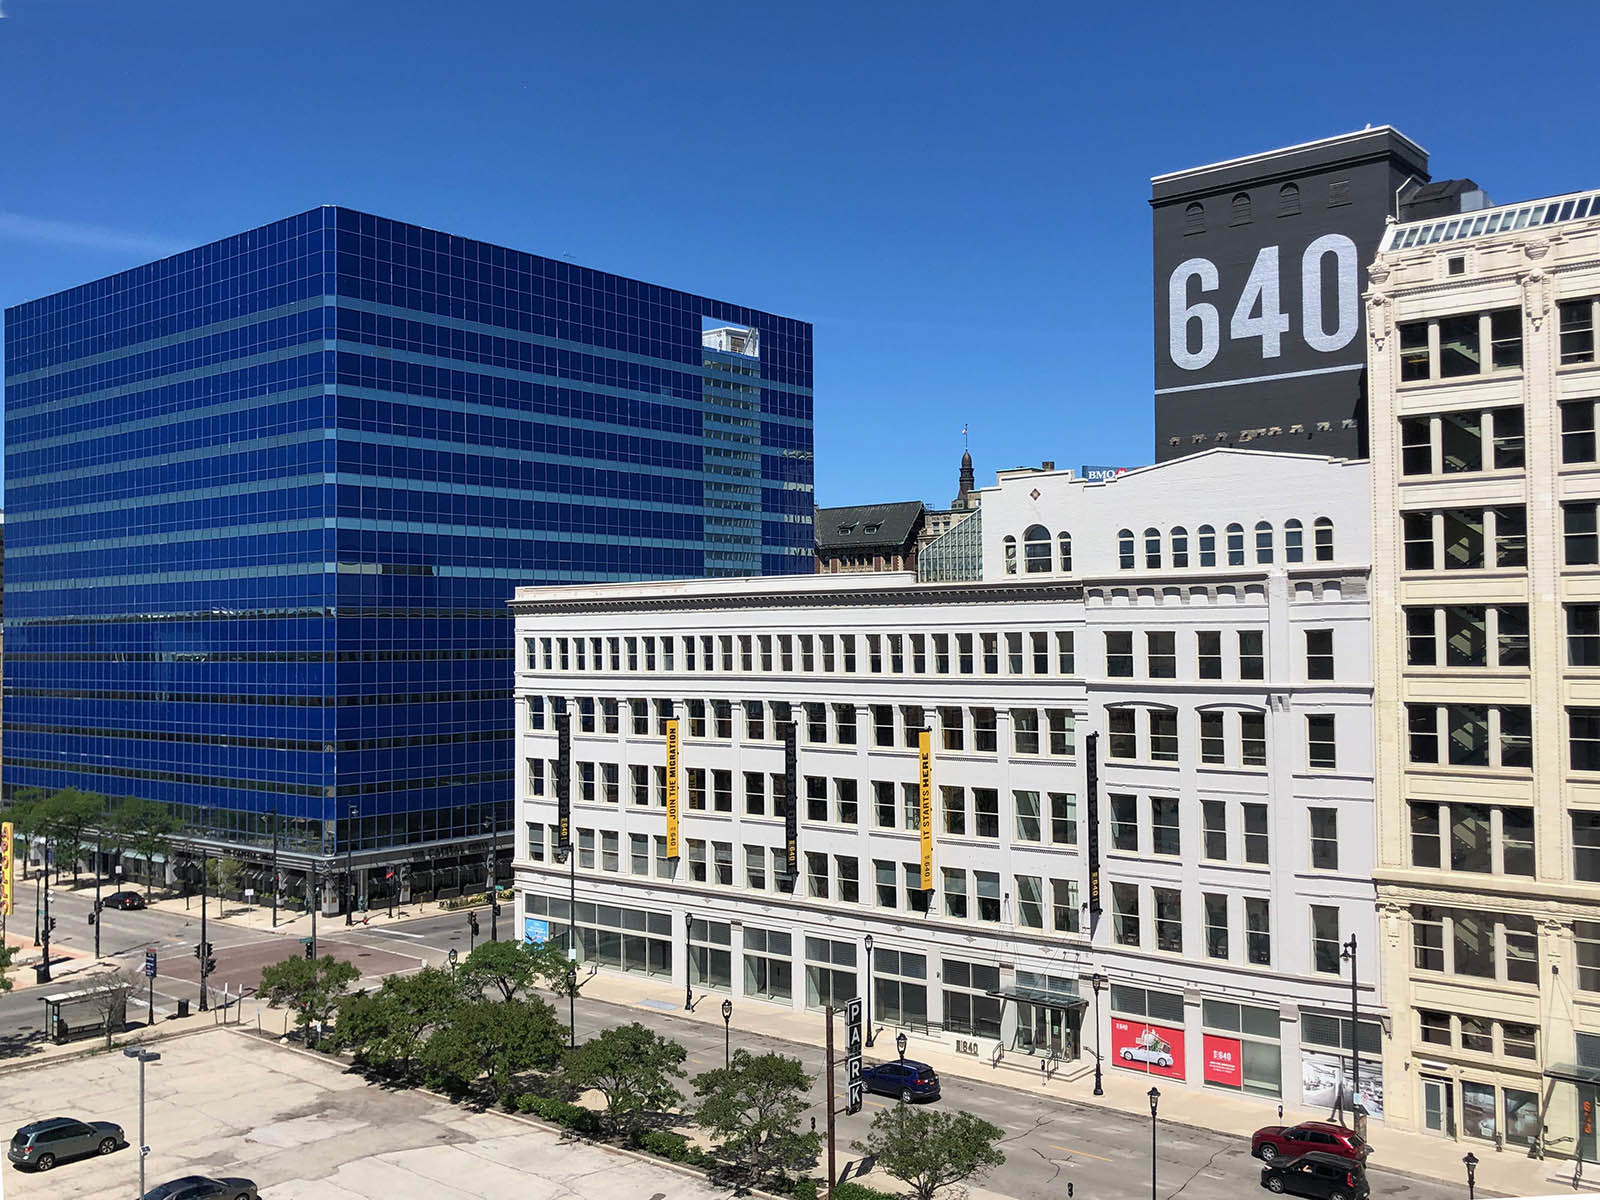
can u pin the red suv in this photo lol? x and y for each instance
(1291, 1141)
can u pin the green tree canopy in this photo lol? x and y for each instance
(144, 827)
(512, 969)
(312, 988)
(754, 1108)
(387, 1028)
(500, 1038)
(632, 1067)
(64, 819)
(929, 1150)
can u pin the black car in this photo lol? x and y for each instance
(202, 1187)
(906, 1079)
(123, 900)
(1317, 1174)
(42, 1144)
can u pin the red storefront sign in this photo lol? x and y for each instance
(1224, 1060)
(1153, 1049)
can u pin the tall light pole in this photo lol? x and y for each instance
(274, 868)
(1348, 952)
(493, 831)
(144, 1056)
(1155, 1098)
(727, 1034)
(565, 854)
(868, 943)
(41, 973)
(1471, 1161)
(349, 867)
(99, 844)
(205, 946)
(688, 962)
(1097, 981)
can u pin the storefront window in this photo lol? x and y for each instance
(1521, 1117)
(1478, 1117)
(768, 970)
(1241, 1049)
(900, 988)
(968, 1006)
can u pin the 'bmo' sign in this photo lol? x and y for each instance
(1259, 268)
(1101, 474)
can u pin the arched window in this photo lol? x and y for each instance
(1208, 546)
(1125, 549)
(1194, 218)
(1289, 200)
(1263, 541)
(1011, 555)
(1322, 532)
(1180, 546)
(1294, 549)
(1036, 549)
(1064, 544)
(1152, 549)
(1240, 209)
(1236, 545)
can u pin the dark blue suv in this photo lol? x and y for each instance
(906, 1079)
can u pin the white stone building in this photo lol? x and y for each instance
(1221, 659)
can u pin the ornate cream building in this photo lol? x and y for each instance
(1486, 610)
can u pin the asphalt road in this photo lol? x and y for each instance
(1102, 1152)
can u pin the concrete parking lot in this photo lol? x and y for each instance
(223, 1102)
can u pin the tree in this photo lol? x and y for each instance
(112, 1000)
(25, 814)
(311, 987)
(928, 1150)
(512, 968)
(632, 1067)
(145, 827)
(499, 1037)
(754, 1109)
(387, 1028)
(227, 876)
(65, 818)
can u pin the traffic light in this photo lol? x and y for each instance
(53, 925)
(91, 918)
(496, 907)
(202, 950)
(211, 965)
(309, 954)
(472, 922)
(98, 905)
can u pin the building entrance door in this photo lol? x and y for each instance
(1439, 1106)
(1047, 1030)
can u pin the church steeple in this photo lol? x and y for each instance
(963, 498)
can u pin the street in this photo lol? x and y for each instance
(1103, 1152)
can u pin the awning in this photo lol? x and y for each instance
(1572, 1073)
(1050, 999)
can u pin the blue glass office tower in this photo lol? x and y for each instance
(267, 500)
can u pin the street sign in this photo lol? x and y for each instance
(150, 964)
(852, 1050)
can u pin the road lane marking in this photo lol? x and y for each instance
(397, 933)
(1082, 1153)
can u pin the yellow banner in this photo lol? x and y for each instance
(925, 805)
(672, 788)
(6, 867)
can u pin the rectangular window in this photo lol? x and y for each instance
(1577, 325)
(1421, 638)
(1169, 919)
(1028, 817)
(844, 724)
(697, 860)
(1583, 635)
(1125, 913)
(1426, 839)
(609, 851)
(1253, 739)
(1119, 655)
(1063, 819)
(1258, 930)
(1577, 431)
(755, 794)
(1435, 1027)
(1122, 739)
(1209, 644)
(1416, 446)
(955, 893)
(970, 1006)
(1039, 649)
(1510, 444)
(986, 812)
(1586, 846)
(1066, 661)
(1510, 535)
(1252, 660)
(987, 885)
(991, 653)
(1216, 910)
(1325, 942)
(955, 810)
(1062, 730)
(1255, 832)
(1417, 531)
(1030, 902)
(885, 883)
(1163, 736)
(1214, 829)
(1161, 654)
(1463, 539)
(952, 728)
(1213, 747)
(985, 736)
(885, 815)
(1321, 746)
(1324, 839)
(1319, 654)
(1064, 912)
(1505, 339)
(1461, 442)
(1025, 731)
(1460, 348)
(1583, 738)
(1579, 536)
(1587, 941)
(817, 877)
(1014, 659)
(845, 805)
(1164, 834)
(816, 799)
(1125, 823)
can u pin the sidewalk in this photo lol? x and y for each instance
(1508, 1173)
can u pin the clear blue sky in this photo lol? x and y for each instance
(954, 194)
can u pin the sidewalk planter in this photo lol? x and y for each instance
(558, 1112)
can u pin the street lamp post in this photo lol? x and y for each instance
(144, 1056)
(41, 973)
(1097, 981)
(1471, 1161)
(1348, 952)
(868, 943)
(572, 1004)
(727, 1034)
(688, 962)
(274, 868)
(564, 854)
(1155, 1098)
(316, 903)
(205, 817)
(494, 870)
(350, 868)
(99, 850)
(900, 1044)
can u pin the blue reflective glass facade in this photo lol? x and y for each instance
(267, 499)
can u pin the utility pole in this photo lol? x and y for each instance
(204, 946)
(833, 1175)
(144, 1056)
(274, 868)
(42, 972)
(316, 903)
(98, 851)
(350, 869)
(1356, 1107)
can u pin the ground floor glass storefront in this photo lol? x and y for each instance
(608, 935)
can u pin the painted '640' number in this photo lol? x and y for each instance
(1259, 312)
